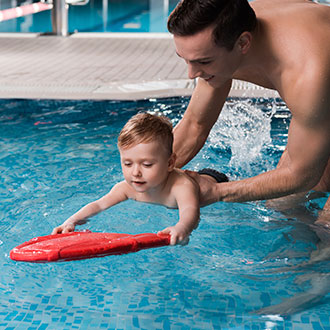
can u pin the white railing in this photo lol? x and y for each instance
(7, 14)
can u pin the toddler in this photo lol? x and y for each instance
(145, 146)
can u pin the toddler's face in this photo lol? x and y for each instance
(146, 165)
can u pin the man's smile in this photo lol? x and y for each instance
(209, 78)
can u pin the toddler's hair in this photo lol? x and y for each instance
(144, 128)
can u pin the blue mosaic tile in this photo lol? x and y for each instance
(166, 324)
(33, 307)
(305, 319)
(43, 326)
(19, 317)
(317, 326)
(45, 300)
(136, 322)
(325, 320)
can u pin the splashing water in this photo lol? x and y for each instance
(244, 129)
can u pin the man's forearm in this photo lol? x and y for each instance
(186, 148)
(203, 111)
(273, 184)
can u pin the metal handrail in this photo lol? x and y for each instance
(77, 2)
(60, 18)
(60, 11)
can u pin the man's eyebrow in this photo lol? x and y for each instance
(204, 59)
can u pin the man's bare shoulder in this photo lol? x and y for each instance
(259, 4)
(291, 15)
(298, 32)
(307, 90)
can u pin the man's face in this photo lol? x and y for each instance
(205, 59)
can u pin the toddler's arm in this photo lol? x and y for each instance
(187, 197)
(116, 195)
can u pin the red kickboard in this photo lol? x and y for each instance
(83, 245)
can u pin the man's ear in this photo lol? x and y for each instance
(243, 43)
(171, 162)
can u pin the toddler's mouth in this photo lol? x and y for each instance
(139, 183)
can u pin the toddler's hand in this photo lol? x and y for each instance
(64, 228)
(179, 234)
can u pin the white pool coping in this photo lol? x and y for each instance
(98, 66)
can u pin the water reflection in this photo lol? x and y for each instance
(97, 16)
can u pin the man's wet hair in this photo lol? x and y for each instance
(230, 19)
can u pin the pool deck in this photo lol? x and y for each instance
(98, 66)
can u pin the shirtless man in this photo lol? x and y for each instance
(279, 44)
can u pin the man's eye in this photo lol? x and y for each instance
(204, 62)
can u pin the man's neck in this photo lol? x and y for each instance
(259, 64)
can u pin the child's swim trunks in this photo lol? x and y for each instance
(218, 176)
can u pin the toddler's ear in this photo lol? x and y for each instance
(171, 162)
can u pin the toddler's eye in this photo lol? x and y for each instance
(147, 164)
(128, 164)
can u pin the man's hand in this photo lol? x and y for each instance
(207, 188)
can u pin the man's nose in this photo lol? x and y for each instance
(193, 71)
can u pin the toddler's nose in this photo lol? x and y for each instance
(136, 170)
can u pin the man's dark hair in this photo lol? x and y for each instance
(229, 17)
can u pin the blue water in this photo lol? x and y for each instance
(58, 155)
(116, 16)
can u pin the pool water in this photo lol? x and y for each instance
(98, 16)
(247, 266)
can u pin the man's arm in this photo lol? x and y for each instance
(203, 111)
(303, 163)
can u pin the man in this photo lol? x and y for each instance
(279, 44)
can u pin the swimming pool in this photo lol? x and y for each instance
(98, 16)
(58, 155)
